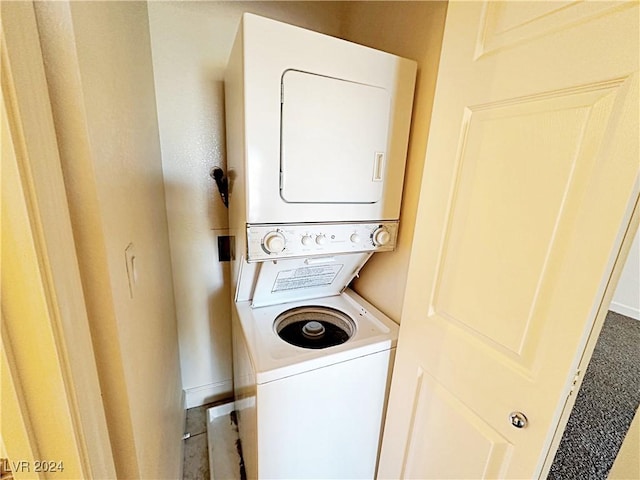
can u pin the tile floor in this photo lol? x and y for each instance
(196, 454)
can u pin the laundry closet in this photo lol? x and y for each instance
(202, 282)
(137, 99)
(131, 104)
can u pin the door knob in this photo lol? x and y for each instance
(518, 419)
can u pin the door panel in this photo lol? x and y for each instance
(459, 432)
(507, 24)
(554, 139)
(530, 178)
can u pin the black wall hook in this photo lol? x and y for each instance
(223, 184)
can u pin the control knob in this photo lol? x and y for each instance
(274, 242)
(321, 239)
(306, 240)
(381, 237)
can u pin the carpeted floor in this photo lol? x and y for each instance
(605, 406)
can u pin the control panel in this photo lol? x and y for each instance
(269, 242)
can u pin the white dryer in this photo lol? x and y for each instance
(317, 132)
(317, 126)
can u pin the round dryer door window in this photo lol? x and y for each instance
(314, 327)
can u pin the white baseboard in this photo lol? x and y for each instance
(212, 392)
(625, 310)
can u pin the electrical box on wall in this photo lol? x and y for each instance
(226, 248)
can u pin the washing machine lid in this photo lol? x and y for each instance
(283, 281)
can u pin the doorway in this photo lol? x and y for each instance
(609, 396)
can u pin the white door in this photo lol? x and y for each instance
(333, 139)
(529, 183)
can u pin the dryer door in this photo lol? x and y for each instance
(334, 137)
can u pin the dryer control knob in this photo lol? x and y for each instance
(355, 238)
(306, 240)
(381, 237)
(274, 242)
(321, 239)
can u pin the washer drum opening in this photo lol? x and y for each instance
(314, 327)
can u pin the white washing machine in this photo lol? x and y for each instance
(317, 131)
(311, 377)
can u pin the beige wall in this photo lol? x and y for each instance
(98, 64)
(413, 30)
(627, 463)
(626, 299)
(191, 42)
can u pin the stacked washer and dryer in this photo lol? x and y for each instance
(317, 132)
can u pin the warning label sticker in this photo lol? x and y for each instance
(306, 277)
